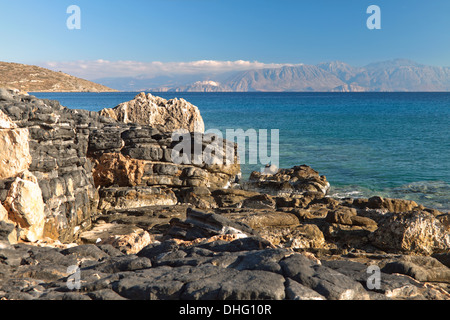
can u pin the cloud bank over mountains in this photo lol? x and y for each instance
(98, 69)
(254, 76)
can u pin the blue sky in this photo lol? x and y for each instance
(267, 31)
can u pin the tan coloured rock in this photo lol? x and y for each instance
(386, 204)
(288, 182)
(413, 232)
(116, 169)
(12, 237)
(303, 236)
(158, 112)
(26, 207)
(130, 243)
(14, 149)
(257, 218)
(135, 197)
(3, 214)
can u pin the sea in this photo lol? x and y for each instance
(393, 145)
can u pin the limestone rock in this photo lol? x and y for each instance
(14, 149)
(287, 182)
(57, 140)
(303, 236)
(348, 216)
(261, 218)
(386, 204)
(26, 207)
(413, 232)
(116, 198)
(130, 243)
(158, 112)
(116, 169)
(200, 224)
(142, 156)
(232, 197)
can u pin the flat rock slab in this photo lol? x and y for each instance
(244, 269)
(426, 269)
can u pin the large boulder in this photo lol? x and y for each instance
(26, 207)
(14, 149)
(155, 111)
(413, 232)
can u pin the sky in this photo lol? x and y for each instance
(149, 37)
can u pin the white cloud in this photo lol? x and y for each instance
(96, 69)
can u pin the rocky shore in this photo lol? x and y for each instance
(92, 207)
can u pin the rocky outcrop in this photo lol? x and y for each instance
(288, 182)
(71, 153)
(142, 156)
(416, 232)
(57, 145)
(149, 227)
(157, 112)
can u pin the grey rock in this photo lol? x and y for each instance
(200, 224)
(266, 260)
(5, 230)
(426, 269)
(443, 258)
(253, 285)
(326, 281)
(5, 95)
(122, 263)
(297, 291)
(105, 294)
(138, 288)
(390, 285)
(86, 251)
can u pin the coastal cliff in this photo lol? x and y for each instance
(79, 188)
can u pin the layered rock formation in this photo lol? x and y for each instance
(149, 227)
(69, 154)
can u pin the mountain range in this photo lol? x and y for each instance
(398, 75)
(394, 75)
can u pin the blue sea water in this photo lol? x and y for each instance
(388, 144)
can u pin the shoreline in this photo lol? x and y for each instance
(108, 200)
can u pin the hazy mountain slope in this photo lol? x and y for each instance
(296, 78)
(404, 75)
(340, 69)
(33, 79)
(393, 75)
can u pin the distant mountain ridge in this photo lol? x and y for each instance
(336, 76)
(36, 79)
